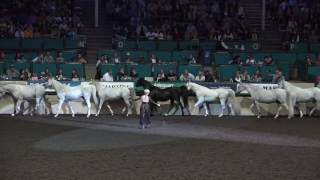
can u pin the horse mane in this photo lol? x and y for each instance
(62, 87)
(145, 82)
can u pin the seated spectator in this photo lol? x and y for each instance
(3, 56)
(108, 76)
(267, 60)
(236, 60)
(250, 60)
(45, 75)
(142, 60)
(257, 77)
(209, 77)
(23, 75)
(277, 76)
(59, 75)
(80, 60)
(19, 58)
(74, 75)
(161, 76)
(237, 77)
(116, 58)
(59, 58)
(48, 58)
(317, 81)
(200, 76)
(186, 76)
(307, 61)
(121, 75)
(128, 58)
(245, 76)
(100, 62)
(192, 59)
(34, 77)
(133, 74)
(12, 73)
(153, 59)
(171, 76)
(39, 58)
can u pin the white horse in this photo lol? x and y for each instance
(205, 94)
(106, 94)
(67, 93)
(299, 95)
(261, 95)
(21, 93)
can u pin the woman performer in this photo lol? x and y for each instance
(145, 109)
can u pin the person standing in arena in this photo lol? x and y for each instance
(145, 109)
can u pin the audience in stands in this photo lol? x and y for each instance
(196, 20)
(277, 76)
(161, 76)
(245, 76)
(33, 18)
(267, 60)
(59, 58)
(318, 60)
(209, 77)
(186, 76)
(108, 76)
(60, 76)
(116, 58)
(317, 81)
(24, 76)
(39, 58)
(48, 58)
(200, 76)
(45, 75)
(133, 74)
(80, 59)
(74, 75)
(171, 76)
(121, 75)
(237, 77)
(236, 60)
(250, 60)
(257, 77)
(12, 73)
(3, 56)
(19, 58)
(34, 77)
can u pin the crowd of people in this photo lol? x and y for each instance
(38, 18)
(179, 20)
(299, 19)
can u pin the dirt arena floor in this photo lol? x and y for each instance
(188, 147)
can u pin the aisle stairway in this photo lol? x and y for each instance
(270, 37)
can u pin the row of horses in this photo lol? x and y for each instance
(286, 95)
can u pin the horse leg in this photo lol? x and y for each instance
(206, 109)
(108, 106)
(70, 108)
(317, 106)
(89, 106)
(100, 106)
(278, 111)
(231, 109)
(59, 107)
(48, 105)
(128, 106)
(258, 109)
(223, 106)
(299, 109)
(18, 106)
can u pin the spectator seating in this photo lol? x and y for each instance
(114, 67)
(143, 70)
(167, 45)
(67, 69)
(183, 56)
(147, 45)
(165, 67)
(193, 69)
(164, 56)
(9, 44)
(315, 47)
(226, 72)
(52, 67)
(313, 71)
(2, 67)
(221, 58)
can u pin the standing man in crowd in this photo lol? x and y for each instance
(107, 76)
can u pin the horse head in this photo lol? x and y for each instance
(241, 87)
(145, 84)
(281, 83)
(189, 85)
(50, 82)
(3, 92)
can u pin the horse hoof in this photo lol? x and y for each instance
(12, 115)
(96, 115)
(220, 115)
(88, 116)
(56, 116)
(73, 115)
(166, 114)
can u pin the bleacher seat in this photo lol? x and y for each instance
(221, 58)
(72, 44)
(165, 68)
(192, 68)
(67, 69)
(301, 48)
(259, 56)
(266, 71)
(183, 56)
(9, 43)
(128, 45)
(40, 67)
(242, 55)
(2, 67)
(147, 45)
(107, 52)
(301, 57)
(284, 58)
(227, 71)
(69, 55)
(313, 71)
(30, 55)
(164, 56)
(208, 45)
(33, 43)
(53, 44)
(250, 69)
(135, 55)
(188, 45)
(18, 66)
(315, 47)
(143, 70)
(165, 45)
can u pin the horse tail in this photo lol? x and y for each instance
(132, 95)
(185, 95)
(232, 102)
(290, 105)
(94, 95)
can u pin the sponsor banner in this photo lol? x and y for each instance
(118, 84)
(263, 85)
(163, 85)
